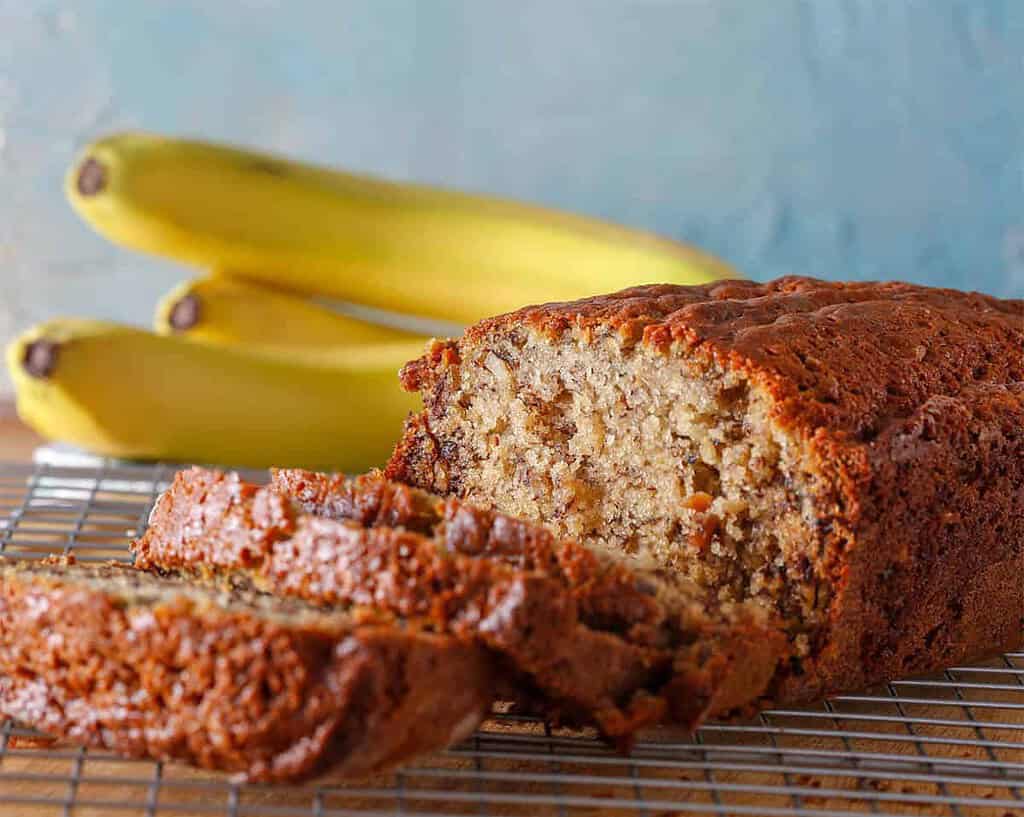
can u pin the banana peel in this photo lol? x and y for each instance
(406, 248)
(225, 311)
(125, 392)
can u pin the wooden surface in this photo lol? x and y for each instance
(17, 441)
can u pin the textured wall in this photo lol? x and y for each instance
(843, 138)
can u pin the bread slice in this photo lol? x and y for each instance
(850, 456)
(269, 689)
(602, 644)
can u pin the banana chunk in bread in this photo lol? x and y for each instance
(600, 643)
(267, 688)
(850, 456)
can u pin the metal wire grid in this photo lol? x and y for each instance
(947, 745)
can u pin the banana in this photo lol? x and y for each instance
(125, 392)
(408, 248)
(227, 311)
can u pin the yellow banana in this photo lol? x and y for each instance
(408, 248)
(125, 392)
(224, 310)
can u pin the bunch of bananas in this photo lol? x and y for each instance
(244, 367)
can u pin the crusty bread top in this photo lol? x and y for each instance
(224, 677)
(849, 357)
(367, 499)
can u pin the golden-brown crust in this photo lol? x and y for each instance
(847, 357)
(533, 600)
(368, 499)
(928, 553)
(191, 679)
(925, 572)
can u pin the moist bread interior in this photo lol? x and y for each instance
(678, 468)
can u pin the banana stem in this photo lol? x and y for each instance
(40, 358)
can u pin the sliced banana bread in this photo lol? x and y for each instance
(601, 643)
(234, 680)
(849, 455)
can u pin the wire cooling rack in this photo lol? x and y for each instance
(946, 745)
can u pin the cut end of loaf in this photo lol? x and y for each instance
(773, 442)
(673, 461)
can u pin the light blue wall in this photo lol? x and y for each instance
(841, 138)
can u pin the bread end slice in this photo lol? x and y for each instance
(264, 688)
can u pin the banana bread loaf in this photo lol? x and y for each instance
(600, 643)
(851, 456)
(234, 680)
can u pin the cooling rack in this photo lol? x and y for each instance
(952, 744)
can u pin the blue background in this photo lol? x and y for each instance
(839, 138)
